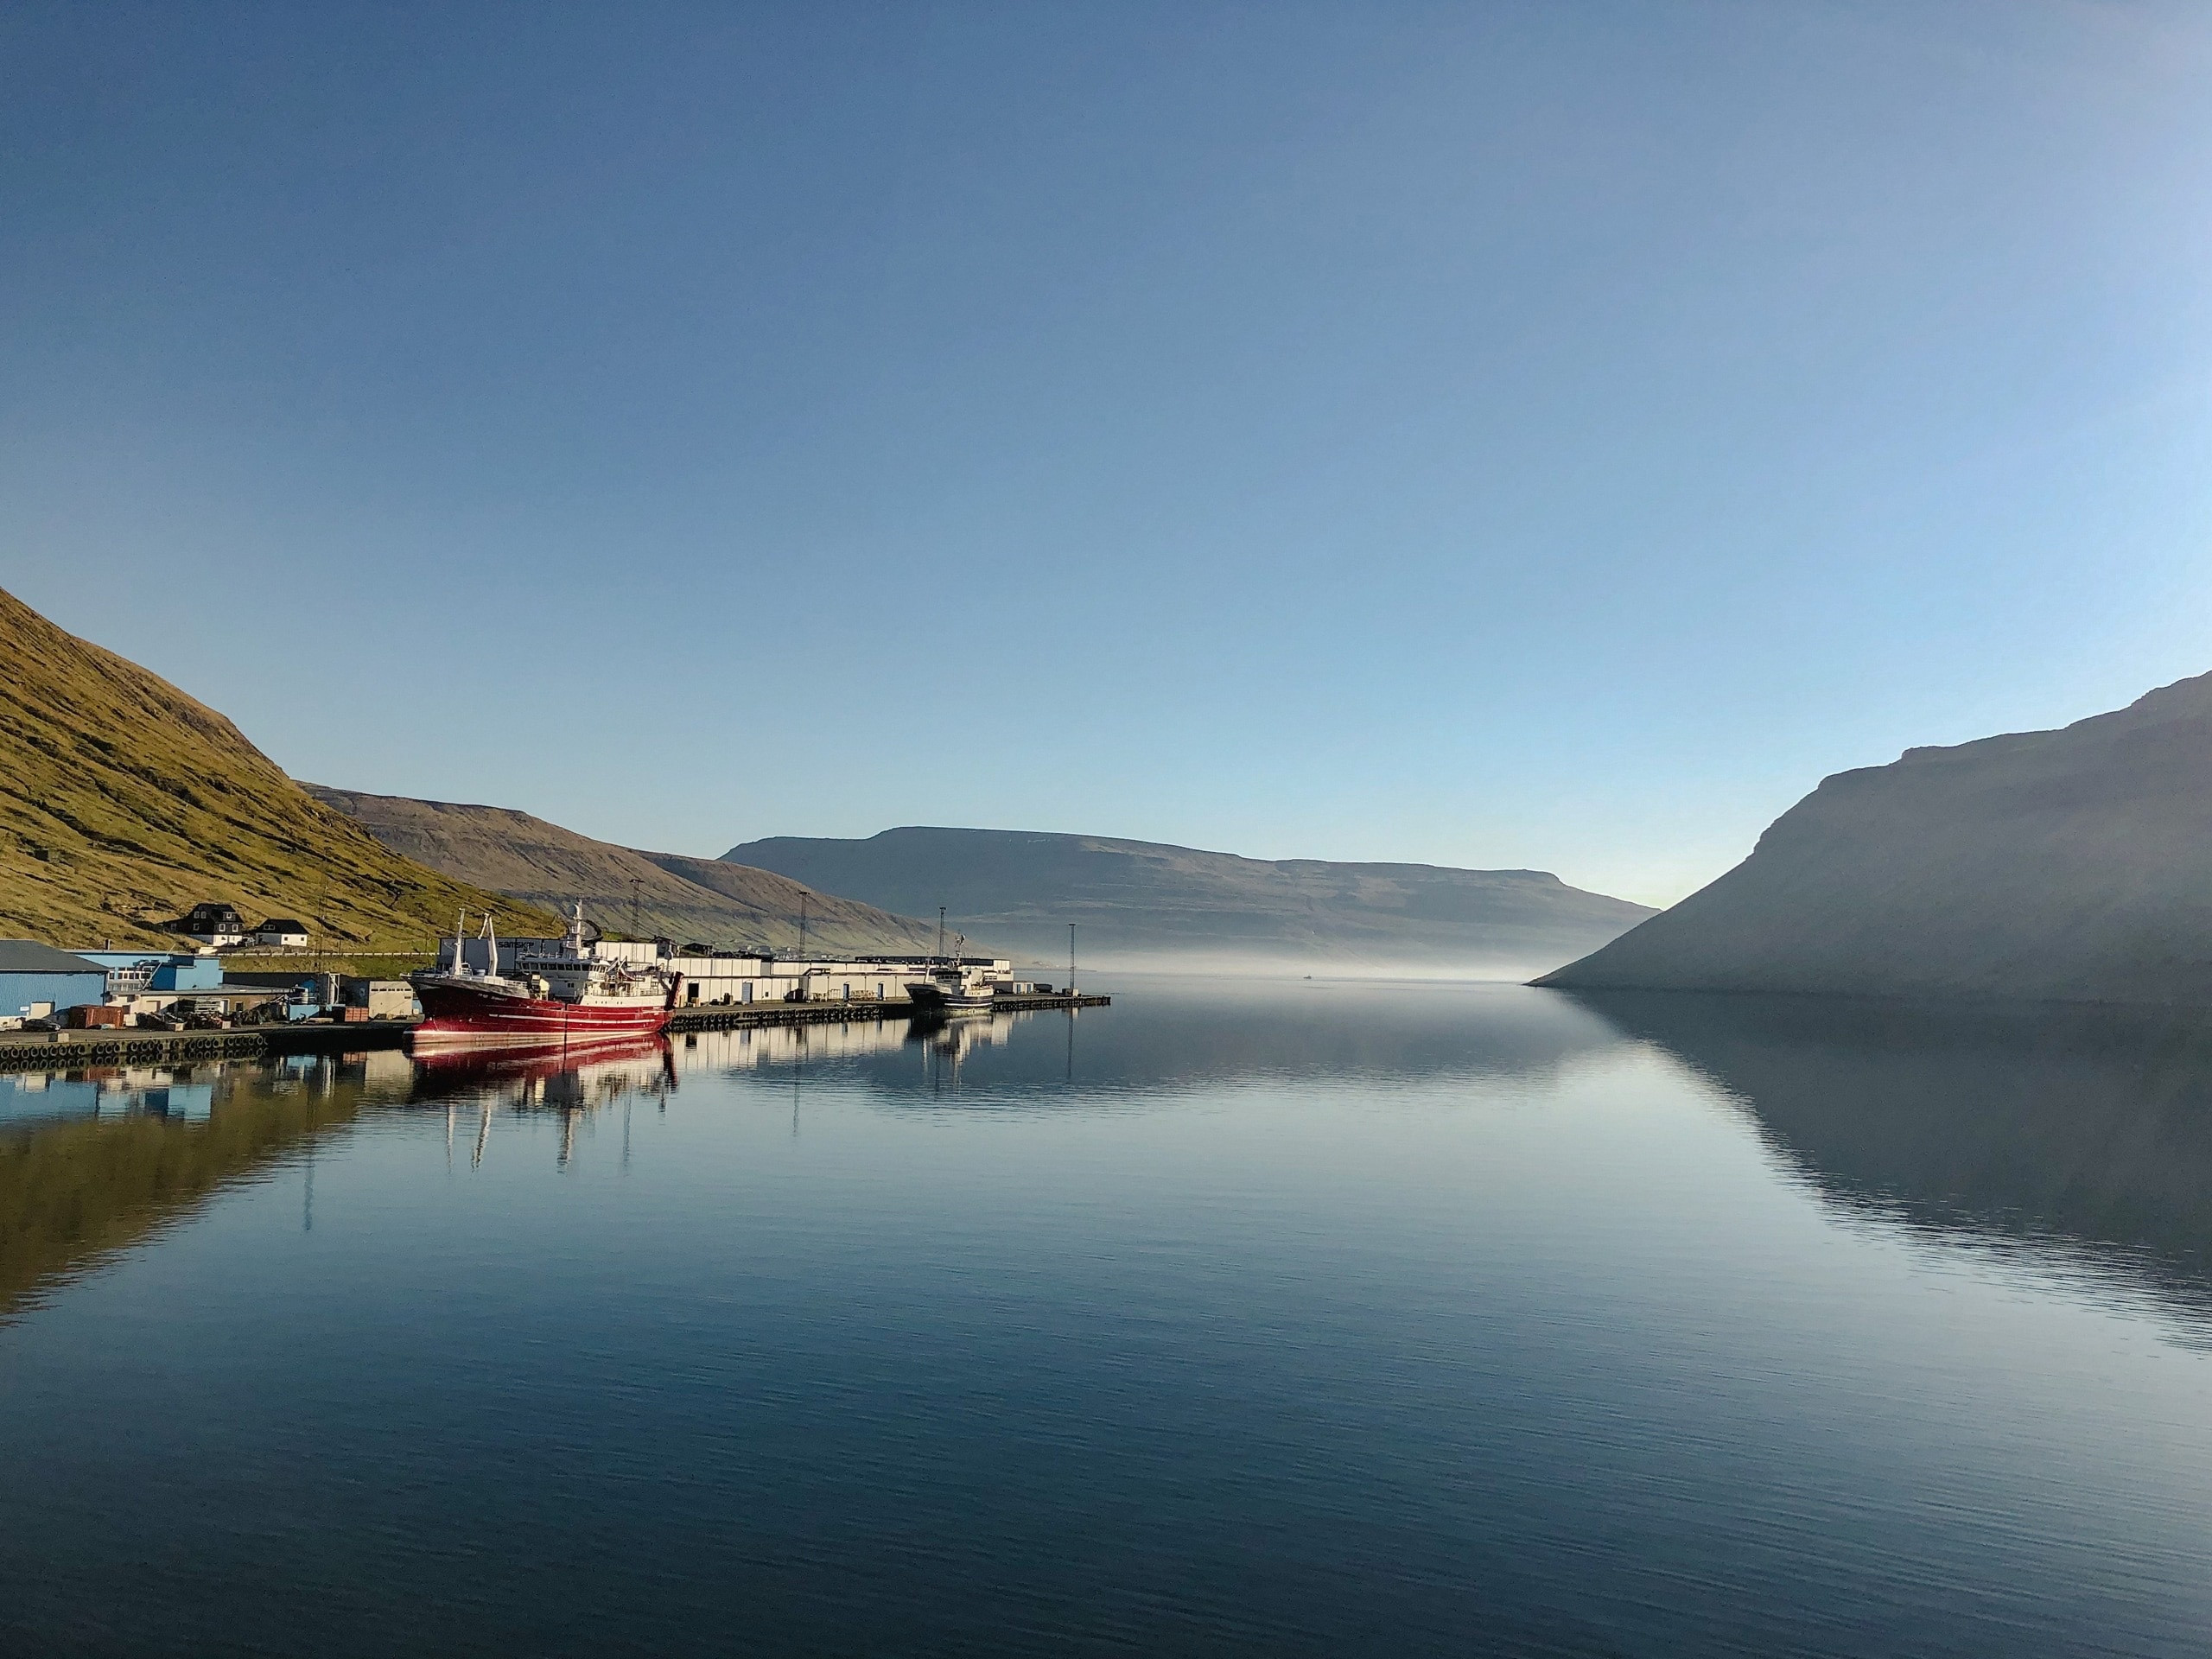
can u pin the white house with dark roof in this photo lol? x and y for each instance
(213, 923)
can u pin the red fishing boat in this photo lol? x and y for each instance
(565, 993)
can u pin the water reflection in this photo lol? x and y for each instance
(1189, 1035)
(2077, 1141)
(572, 1081)
(1168, 1036)
(185, 1093)
(2074, 1141)
(1329, 1321)
(733, 1053)
(118, 1153)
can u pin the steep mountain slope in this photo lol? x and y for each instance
(2073, 864)
(688, 900)
(124, 802)
(1140, 902)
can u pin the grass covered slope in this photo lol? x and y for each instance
(2074, 865)
(685, 898)
(1139, 903)
(124, 802)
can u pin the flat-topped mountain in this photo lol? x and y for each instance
(124, 802)
(707, 900)
(2074, 864)
(1143, 903)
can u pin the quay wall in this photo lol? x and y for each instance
(64, 1049)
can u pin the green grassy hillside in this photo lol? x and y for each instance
(124, 802)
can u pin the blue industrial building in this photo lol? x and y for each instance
(37, 978)
(157, 970)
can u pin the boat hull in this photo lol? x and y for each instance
(929, 997)
(460, 1016)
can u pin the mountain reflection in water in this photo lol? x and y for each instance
(2075, 1140)
(2078, 1140)
(1274, 1318)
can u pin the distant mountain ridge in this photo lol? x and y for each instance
(1137, 902)
(703, 901)
(124, 802)
(2073, 865)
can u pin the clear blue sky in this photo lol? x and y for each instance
(1516, 434)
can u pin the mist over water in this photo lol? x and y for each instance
(1277, 1316)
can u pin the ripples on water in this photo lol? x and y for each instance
(1275, 1318)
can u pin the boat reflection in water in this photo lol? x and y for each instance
(577, 1078)
(574, 1079)
(959, 1036)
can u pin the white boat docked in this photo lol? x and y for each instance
(952, 988)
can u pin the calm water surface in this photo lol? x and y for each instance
(1289, 1318)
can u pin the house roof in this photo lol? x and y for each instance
(30, 956)
(281, 925)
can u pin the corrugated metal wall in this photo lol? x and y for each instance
(19, 991)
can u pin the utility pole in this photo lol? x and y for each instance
(1071, 958)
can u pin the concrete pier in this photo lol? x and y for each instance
(711, 1016)
(62, 1051)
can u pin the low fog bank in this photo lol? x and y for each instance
(1516, 970)
(1146, 906)
(1166, 1034)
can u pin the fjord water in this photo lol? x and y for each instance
(1274, 1318)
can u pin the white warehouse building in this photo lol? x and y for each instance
(729, 977)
